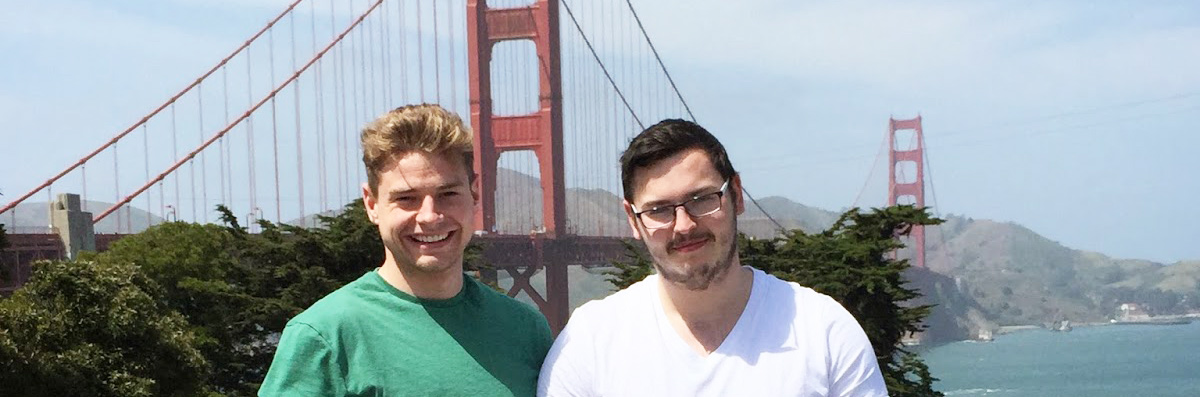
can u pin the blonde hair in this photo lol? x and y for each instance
(425, 128)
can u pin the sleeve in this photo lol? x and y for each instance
(304, 365)
(854, 371)
(565, 371)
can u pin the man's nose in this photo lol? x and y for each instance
(428, 213)
(683, 220)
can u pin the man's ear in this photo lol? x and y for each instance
(633, 223)
(476, 185)
(735, 190)
(369, 203)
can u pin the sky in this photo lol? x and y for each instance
(1076, 119)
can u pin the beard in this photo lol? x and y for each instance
(698, 276)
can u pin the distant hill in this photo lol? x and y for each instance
(1018, 277)
(35, 216)
(590, 212)
(980, 272)
(956, 315)
(789, 214)
(1181, 277)
(1021, 277)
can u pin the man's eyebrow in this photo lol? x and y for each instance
(451, 185)
(399, 192)
(442, 187)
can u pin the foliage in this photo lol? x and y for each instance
(238, 289)
(214, 290)
(634, 269)
(179, 308)
(1152, 300)
(851, 262)
(4, 270)
(95, 329)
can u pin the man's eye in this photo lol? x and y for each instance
(659, 210)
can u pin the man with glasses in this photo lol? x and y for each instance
(704, 325)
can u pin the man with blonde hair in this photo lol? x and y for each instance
(416, 325)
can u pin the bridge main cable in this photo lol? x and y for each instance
(223, 131)
(143, 121)
(660, 61)
(601, 64)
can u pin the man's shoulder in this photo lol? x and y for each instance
(493, 300)
(807, 300)
(338, 306)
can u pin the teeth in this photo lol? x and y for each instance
(431, 238)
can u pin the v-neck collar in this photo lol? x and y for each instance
(680, 349)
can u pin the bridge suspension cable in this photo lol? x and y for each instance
(657, 58)
(153, 113)
(244, 116)
(599, 62)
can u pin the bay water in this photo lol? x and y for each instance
(1107, 360)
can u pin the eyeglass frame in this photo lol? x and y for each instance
(675, 208)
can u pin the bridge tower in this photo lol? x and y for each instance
(904, 185)
(540, 132)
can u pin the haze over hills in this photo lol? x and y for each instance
(35, 217)
(1013, 276)
(981, 273)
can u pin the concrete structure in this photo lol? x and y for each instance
(73, 226)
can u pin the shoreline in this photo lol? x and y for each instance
(1156, 320)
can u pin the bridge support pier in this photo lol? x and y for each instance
(72, 224)
(540, 132)
(911, 188)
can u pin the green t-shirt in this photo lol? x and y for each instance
(370, 339)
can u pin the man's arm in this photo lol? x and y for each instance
(304, 365)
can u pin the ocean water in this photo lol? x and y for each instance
(1110, 360)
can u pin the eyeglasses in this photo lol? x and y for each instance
(661, 216)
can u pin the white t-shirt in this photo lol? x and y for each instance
(789, 341)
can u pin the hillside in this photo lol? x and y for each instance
(34, 216)
(1020, 277)
(981, 273)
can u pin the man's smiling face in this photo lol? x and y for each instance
(425, 209)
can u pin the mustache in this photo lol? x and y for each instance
(689, 239)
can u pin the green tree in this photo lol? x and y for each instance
(95, 329)
(852, 263)
(634, 268)
(4, 271)
(202, 279)
(238, 289)
(3, 238)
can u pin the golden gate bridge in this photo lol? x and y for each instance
(554, 89)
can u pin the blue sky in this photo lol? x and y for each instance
(1077, 119)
